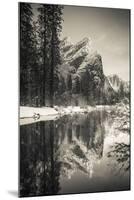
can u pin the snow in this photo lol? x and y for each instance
(30, 115)
(66, 41)
(30, 112)
(116, 82)
(75, 109)
(85, 50)
(26, 112)
(121, 114)
(104, 107)
(26, 121)
(89, 59)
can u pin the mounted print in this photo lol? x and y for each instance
(74, 99)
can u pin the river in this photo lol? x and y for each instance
(74, 154)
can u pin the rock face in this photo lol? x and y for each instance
(81, 77)
(118, 84)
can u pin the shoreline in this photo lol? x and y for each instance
(29, 115)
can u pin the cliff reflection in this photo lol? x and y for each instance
(53, 150)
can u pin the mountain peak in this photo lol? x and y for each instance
(66, 41)
(87, 41)
(116, 82)
(79, 54)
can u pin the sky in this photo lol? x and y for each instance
(109, 31)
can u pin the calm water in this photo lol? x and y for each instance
(73, 154)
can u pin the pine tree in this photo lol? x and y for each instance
(77, 85)
(69, 82)
(55, 20)
(44, 38)
(26, 52)
(50, 27)
(121, 91)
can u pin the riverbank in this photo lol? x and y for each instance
(30, 115)
(28, 112)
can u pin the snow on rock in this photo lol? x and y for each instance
(76, 109)
(118, 84)
(80, 49)
(120, 114)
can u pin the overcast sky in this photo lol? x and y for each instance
(109, 30)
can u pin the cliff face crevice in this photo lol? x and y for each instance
(81, 77)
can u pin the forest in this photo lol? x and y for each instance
(39, 54)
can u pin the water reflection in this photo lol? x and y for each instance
(56, 154)
(121, 153)
(39, 163)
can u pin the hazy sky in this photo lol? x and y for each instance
(109, 30)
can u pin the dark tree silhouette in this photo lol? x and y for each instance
(49, 20)
(39, 160)
(55, 24)
(26, 52)
(44, 37)
(69, 82)
(39, 54)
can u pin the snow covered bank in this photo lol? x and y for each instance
(26, 121)
(30, 115)
(74, 109)
(29, 112)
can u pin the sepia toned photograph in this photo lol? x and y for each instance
(74, 97)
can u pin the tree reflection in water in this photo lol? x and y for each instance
(121, 153)
(39, 165)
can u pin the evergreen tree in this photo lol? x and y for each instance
(49, 29)
(55, 16)
(69, 82)
(26, 52)
(44, 38)
(78, 85)
(121, 91)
